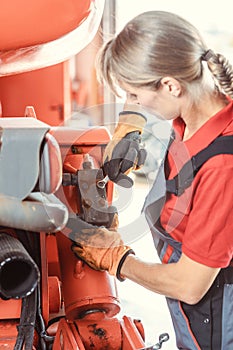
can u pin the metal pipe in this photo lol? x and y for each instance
(19, 274)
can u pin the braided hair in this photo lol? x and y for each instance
(221, 70)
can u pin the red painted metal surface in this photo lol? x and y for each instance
(26, 23)
(48, 90)
(38, 34)
(86, 300)
(79, 305)
(8, 333)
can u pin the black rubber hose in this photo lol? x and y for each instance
(19, 274)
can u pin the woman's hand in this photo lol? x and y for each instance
(99, 247)
(125, 152)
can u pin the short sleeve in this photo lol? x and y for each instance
(208, 237)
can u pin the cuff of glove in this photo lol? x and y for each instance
(132, 121)
(128, 122)
(118, 273)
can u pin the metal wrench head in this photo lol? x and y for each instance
(102, 183)
(162, 338)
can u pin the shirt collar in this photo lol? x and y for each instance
(213, 128)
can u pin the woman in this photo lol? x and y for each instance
(163, 65)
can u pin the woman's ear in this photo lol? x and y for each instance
(172, 86)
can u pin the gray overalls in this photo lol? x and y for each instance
(208, 325)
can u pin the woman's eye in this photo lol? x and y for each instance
(133, 96)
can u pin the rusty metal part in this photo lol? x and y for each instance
(90, 184)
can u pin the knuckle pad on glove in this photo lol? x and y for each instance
(112, 168)
(121, 148)
(122, 154)
(142, 154)
(130, 160)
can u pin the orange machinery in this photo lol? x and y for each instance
(49, 299)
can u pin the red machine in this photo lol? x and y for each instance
(49, 299)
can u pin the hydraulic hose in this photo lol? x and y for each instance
(19, 274)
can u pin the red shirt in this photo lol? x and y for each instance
(202, 217)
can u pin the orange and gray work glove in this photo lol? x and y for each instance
(101, 248)
(125, 151)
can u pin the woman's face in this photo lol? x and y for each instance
(162, 102)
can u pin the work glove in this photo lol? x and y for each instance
(125, 151)
(101, 248)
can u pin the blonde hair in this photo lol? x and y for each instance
(156, 44)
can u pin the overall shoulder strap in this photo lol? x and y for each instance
(221, 145)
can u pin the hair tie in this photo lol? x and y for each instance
(207, 55)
